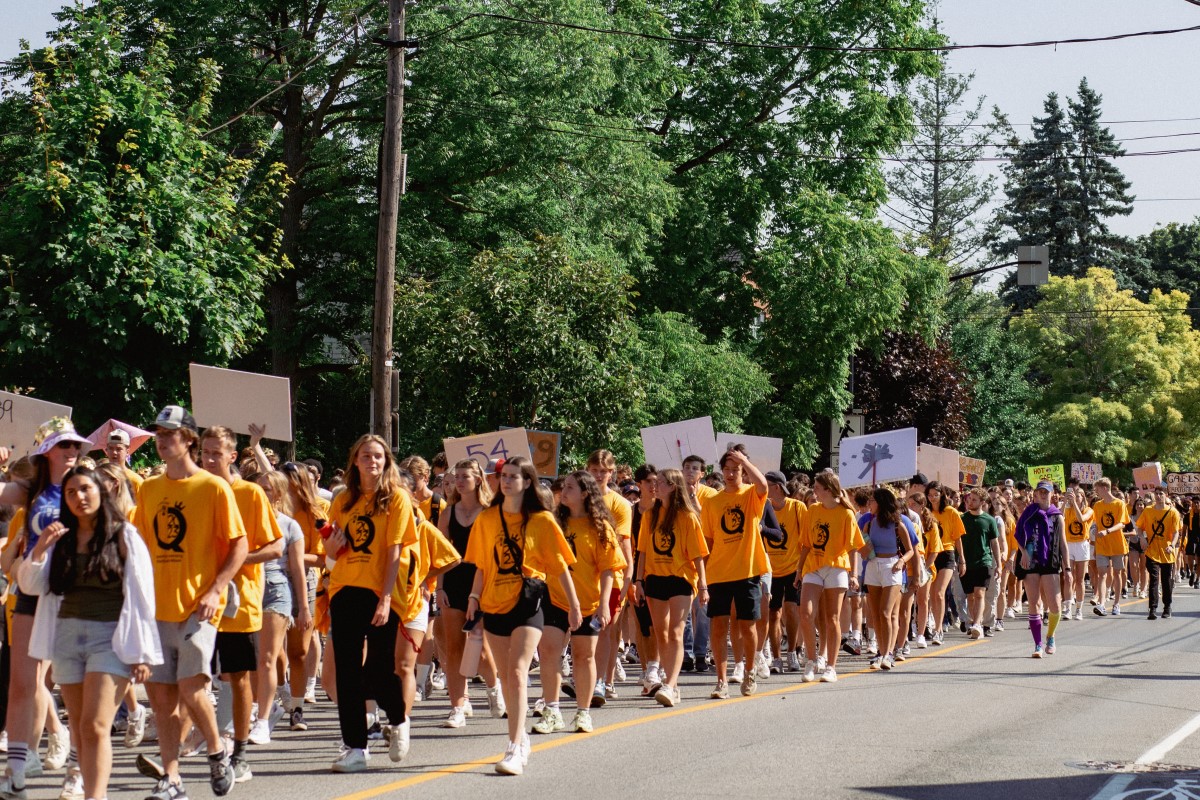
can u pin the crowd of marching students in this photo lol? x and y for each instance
(406, 579)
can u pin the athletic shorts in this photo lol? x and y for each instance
(664, 587)
(975, 578)
(236, 652)
(1040, 569)
(421, 621)
(555, 617)
(783, 590)
(187, 648)
(828, 578)
(644, 620)
(744, 596)
(947, 559)
(1191, 549)
(1104, 562)
(879, 572)
(527, 613)
(82, 646)
(1080, 551)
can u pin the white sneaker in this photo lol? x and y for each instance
(352, 759)
(829, 675)
(457, 719)
(921, 643)
(822, 663)
(1011, 612)
(495, 699)
(762, 668)
(260, 732)
(793, 661)
(524, 749)
(1079, 612)
(975, 631)
(276, 713)
(872, 646)
(566, 666)
(72, 786)
(810, 672)
(399, 744)
(739, 672)
(468, 710)
(511, 763)
(619, 676)
(437, 681)
(135, 732)
(58, 747)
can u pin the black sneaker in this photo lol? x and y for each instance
(987, 632)
(297, 719)
(689, 664)
(568, 689)
(220, 774)
(1166, 613)
(702, 664)
(241, 770)
(149, 767)
(1152, 615)
(165, 790)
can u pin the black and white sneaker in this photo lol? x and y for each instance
(220, 773)
(165, 790)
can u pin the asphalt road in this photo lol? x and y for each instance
(972, 719)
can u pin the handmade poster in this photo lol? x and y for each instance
(484, 447)
(938, 464)
(668, 445)
(137, 436)
(1183, 482)
(238, 400)
(544, 447)
(877, 458)
(1148, 476)
(1048, 472)
(970, 471)
(765, 452)
(20, 416)
(1086, 473)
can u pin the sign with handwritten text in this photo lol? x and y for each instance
(484, 447)
(20, 416)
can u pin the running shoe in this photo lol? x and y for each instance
(689, 664)
(1116, 611)
(495, 700)
(999, 626)
(241, 769)
(721, 692)
(749, 684)
(1166, 613)
(582, 723)
(598, 698)
(739, 672)
(1079, 612)
(821, 663)
(511, 763)
(437, 680)
(165, 790)
(922, 643)
(852, 645)
(1037, 652)
(1050, 646)
(762, 668)
(631, 654)
(58, 747)
(220, 774)
(876, 663)
(702, 664)
(135, 731)
(565, 667)
(539, 707)
(276, 713)
(665, 696)
(872, 646)
(1010, 612)
(975, 631)
(1099, 611)
(260, 732)
(829, 675)
(619, 676)
(610, 691)
(1152, 615)
(793, 661)
(149, 767)
(296, 721)
(398, 744)
(456, 719)
(776, 666)
(468, 709)
(568, 688)
(887, 662)
(810, 672)
(524, 747)
(899, 655)
(551, 722)
(988, 632)
(72, 788)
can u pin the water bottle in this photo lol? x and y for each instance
(472, 650)
(596, 623)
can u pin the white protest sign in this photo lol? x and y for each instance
(764, 452)
(938, 464)
(238, 400)
(1086, 473)
(668, 445)
(20, 416)
(483, 447)
(1148, 476)
(878, 458)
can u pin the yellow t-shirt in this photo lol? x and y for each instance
(785, 555)
(1077, 525)
(262, 528)
(539, 551)
(831, 534)
(430, 552)
(951, 526)
(1161, 528)
(622, 513)
(591, 559)
(931, 538)
(135, 480)
(1109, 514)
(704, 493)
(187, 525)
(314, 545)
(673, 552)
(730, 520)
(363, 562)
(426, 506)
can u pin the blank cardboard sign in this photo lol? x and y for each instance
(764, 452)
(668, 445)
(238, 400)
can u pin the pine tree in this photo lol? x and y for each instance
(1103, 189)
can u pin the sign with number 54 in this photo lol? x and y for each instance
(483, 447)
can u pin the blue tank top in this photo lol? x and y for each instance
(883, 537)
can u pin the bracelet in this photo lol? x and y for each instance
(474, 597)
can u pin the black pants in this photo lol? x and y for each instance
(1160, 574)
(350, 613)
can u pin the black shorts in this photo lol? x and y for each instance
(26, 603)
(947, 559)
(1193, 547)
(645, 623)
(975, 578)
(1040, 569)
(783, 589)
(555, 617)
(664, 587)
(235, 652)
(744, 596)
(527, 613)
(457, 585)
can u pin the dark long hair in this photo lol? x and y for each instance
(532, 501)
(593, 507)
(942, 501)
(889, 510)
(103, 557)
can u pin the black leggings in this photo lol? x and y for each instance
(350, 613)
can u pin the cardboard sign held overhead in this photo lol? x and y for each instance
(483, 447)
(1148, 476)
(1183, 482)
(238, 400)
(20, 416)
(970, 471)
(1086, 473)
(765, 452)
(877, 457)
(1048, 472)
(668, 445)
(544, 449)
(938, 464)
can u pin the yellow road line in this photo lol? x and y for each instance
(467, 766)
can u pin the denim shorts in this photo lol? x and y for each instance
(82, 646)
(277, 597)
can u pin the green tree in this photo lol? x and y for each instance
(1166, 258)
(130, 243)
(1121, 377)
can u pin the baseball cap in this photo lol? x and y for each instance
(1047, 485)
(1009, 482)
(494, 466)
(172, 418)
(775, 476)
(53, 431)
(118, 437)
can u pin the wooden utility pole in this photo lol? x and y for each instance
(391, 181)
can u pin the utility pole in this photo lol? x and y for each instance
(391, 181)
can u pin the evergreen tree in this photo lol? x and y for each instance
(1103, 189)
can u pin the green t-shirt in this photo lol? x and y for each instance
(981, 529)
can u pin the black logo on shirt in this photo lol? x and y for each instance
(1076, 528)
(570, 537)
(782, 543)
(170, 527)
(664, 542)
(733, 521)
(1108, 520)
(822, 536)
(509, 556)
(361, 534)
(1158, 528)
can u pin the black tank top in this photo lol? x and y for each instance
(457, 582)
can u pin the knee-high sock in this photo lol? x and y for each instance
(1054, 618)
(1035, 628)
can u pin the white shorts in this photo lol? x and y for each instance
(421, 621)
(879, 572)
(1080, 551)
(829, 578)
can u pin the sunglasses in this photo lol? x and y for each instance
(68, 446)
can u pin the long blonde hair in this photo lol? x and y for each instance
(389, 481)
(831, 483)
(483, 492)
(681, 501)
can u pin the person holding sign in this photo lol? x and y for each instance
(516, 544)
(738, 561)
(1161, 527)
(1040, 563)
(373, 520)
(1111, 547)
